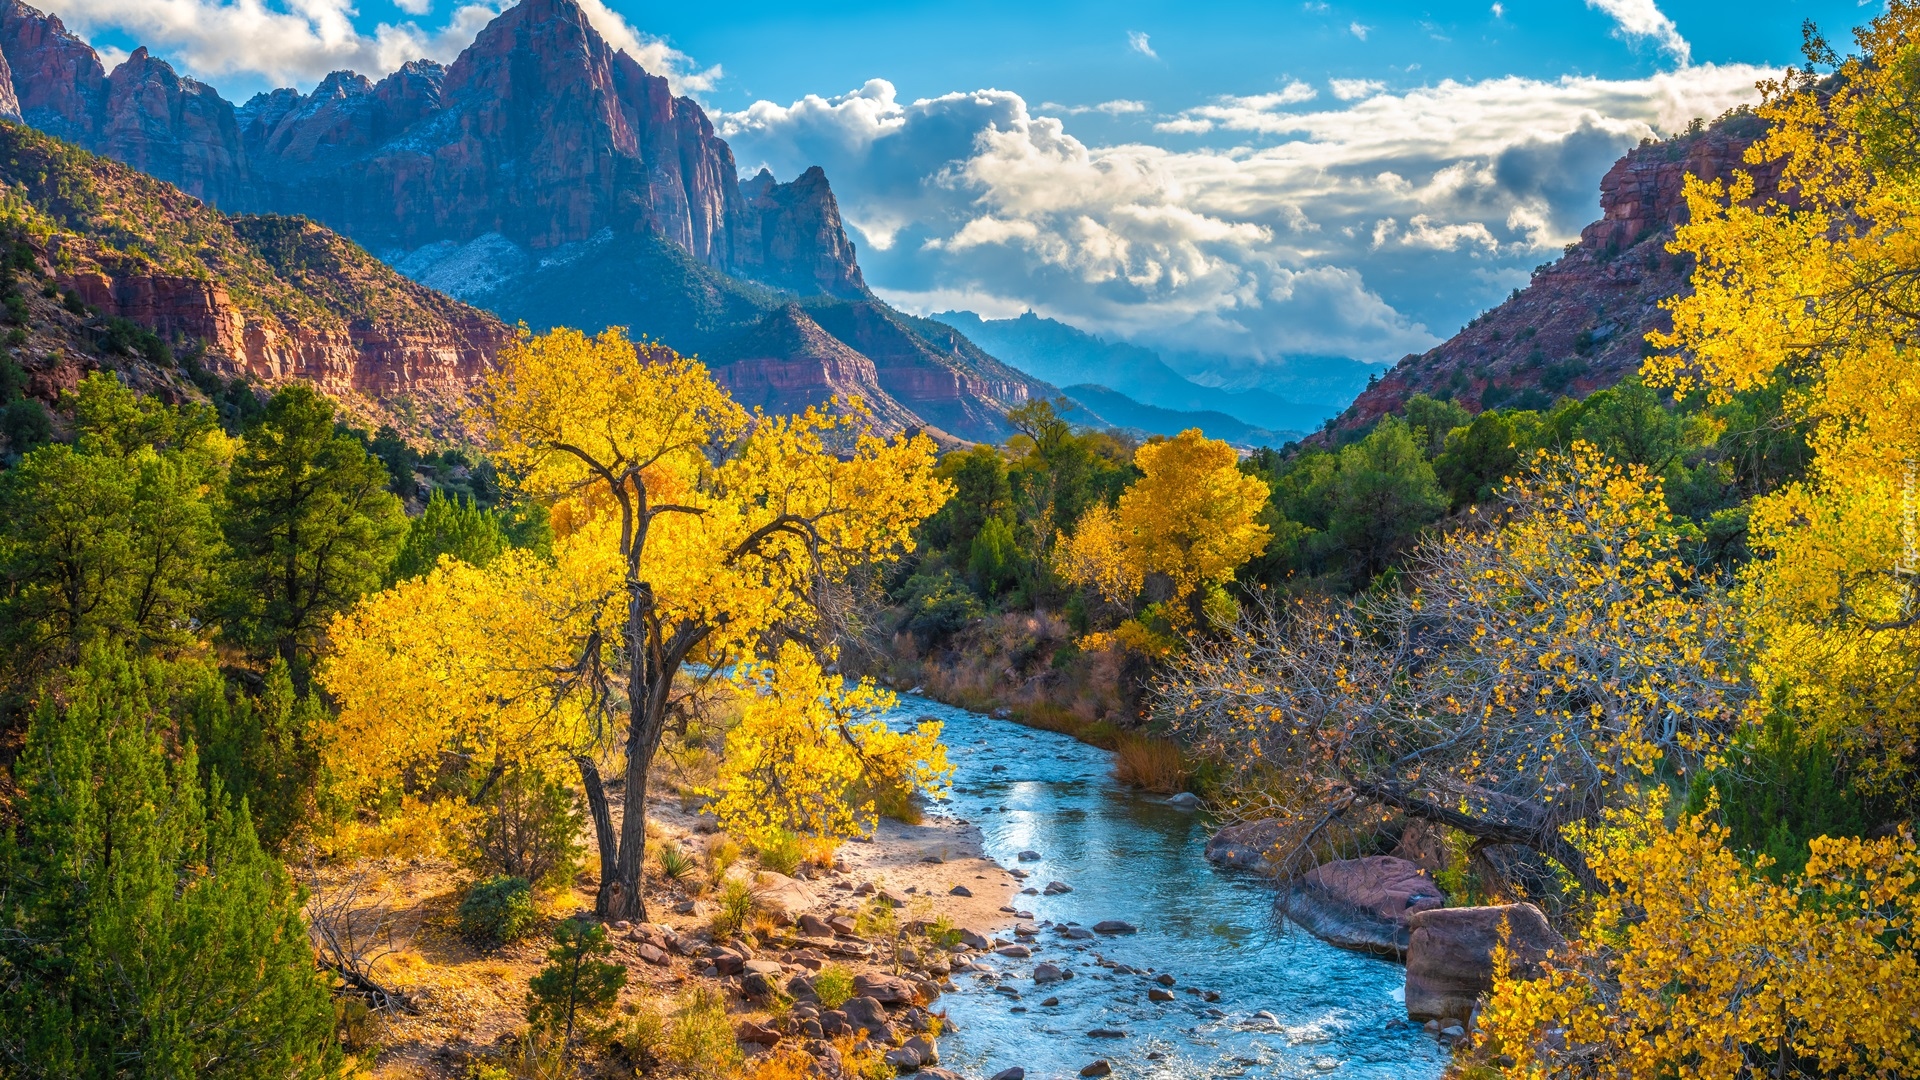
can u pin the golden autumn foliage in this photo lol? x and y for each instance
(811, 754)
(687, 532)
(1822, 292)
(1530, 670)
(460, 661)
(1693, 960)
(1692, 963)
(1190, 517)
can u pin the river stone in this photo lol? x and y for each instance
(1018, 952)
(959, 890)
(1106, 1033)
(1055, 888)
(1244, 846)
(1115, 926)
(1186, 800)
(1164, 979)
(972, 939)
(1361, 904)
(903, 1058)
(1014, 1073)
(886, 989)
(929, 1053)
(1098, 1068)
(1076, 933)
(1046, 973)
(1450, 955)
(1028, 856)
(865, 1013)
(940, 1074)
(1158, 994)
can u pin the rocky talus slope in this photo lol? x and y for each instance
(1580, 324)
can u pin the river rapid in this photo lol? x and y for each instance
(1288, 1004)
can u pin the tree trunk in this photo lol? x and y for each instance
(620, 892)
(602, 815)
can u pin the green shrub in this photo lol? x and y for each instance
(674, 862)
(833, 986)
(700, 1039)
(498, 910)
(782, 855)
(531, 829)
(1788, 787)
(735, 909)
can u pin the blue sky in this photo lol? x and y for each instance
(1245, 180)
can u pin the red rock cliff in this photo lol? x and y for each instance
(1580, 324)
(538, 131)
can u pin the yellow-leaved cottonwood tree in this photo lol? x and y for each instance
(1692, 962)
(1191, 517)
(688, 532)
(1825, 294)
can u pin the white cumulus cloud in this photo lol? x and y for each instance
(1355, 89)
(1644, 19)
(1359, 228)
(297, 42)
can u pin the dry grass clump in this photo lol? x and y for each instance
(1151, 764)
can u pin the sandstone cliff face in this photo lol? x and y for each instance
(788, 363)
(267, 297)
(1581, 323)
(539, 132)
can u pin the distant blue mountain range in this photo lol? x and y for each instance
(1132, 386)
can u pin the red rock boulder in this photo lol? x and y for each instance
(1361, 904)
(1450, 955)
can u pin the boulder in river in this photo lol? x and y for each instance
(1244, 846)
(1115, 926)
(1186, 800)
(1055, 888)
(1098, 1068)
(1450, 954)
(1013, 1073)
(1028, 856)
(1361, 904)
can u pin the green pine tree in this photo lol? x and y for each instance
(312, 527)
(576, 980)
(145, 932)
(457, 527)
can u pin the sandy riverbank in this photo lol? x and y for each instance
(472, 1000)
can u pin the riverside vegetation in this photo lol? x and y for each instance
(1645, 659)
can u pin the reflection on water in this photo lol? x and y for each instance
(1288, 1005)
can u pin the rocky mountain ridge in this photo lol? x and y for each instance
(546, 177)
(538, 131)
(1580, 324)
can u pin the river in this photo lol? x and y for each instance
(1288, 1004)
